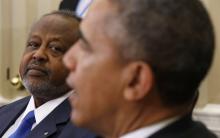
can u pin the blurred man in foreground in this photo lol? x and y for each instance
(137, 66)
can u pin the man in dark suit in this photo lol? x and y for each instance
(80, 7)
(43, 74)
(69, 5)
(137, 66)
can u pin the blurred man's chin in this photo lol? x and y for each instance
(77, 119)
(74, 119)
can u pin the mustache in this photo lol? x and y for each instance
(36, 65)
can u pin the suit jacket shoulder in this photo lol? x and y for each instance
(9, 113)
(184, 128)
(56, 125)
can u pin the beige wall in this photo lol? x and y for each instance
(214, 76)
(209, 90)
(5, 43)
(1, 75)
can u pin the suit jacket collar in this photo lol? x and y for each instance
(48, 126)
(174, 129)
(68, 5)
(8, 118)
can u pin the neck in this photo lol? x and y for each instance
(140, 116)
(39, 101)
(43, 99)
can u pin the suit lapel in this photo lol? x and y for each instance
(10, 113)
(49, 125)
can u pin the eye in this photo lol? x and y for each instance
(56, 49)
(32, 44)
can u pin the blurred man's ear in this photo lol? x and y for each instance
(139, 81)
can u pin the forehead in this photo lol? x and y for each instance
(55, 24)
(101, 9)
(100, 20)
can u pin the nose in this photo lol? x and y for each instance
(40, 55)
(69, 59)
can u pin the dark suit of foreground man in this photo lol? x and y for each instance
(137, 67)
(43, 74)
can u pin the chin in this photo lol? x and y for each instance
(75, 119)
(78, 119)
(86, 122)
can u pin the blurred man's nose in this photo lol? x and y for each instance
(69, 59)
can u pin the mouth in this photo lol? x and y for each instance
(74, 92)
(74, 97)
(36, 71)
(69, 82)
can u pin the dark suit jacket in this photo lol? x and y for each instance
(56, 125)
(184, 128)
(68, 5)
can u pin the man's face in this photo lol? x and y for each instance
(96, 71)
(41, 68)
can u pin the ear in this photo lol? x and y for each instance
(139, 81)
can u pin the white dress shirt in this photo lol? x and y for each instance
(40, 113)
(147, 131)
(83, 7)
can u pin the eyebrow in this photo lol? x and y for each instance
(81, 36)
(54, 38)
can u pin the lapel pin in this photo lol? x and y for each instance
(45, 133)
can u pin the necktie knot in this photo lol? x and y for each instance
(25, 126)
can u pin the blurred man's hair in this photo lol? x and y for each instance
(175, 37)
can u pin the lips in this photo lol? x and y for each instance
(69, 80)
(74, 99)
(37, 71)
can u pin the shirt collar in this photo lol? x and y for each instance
(147, 131)
(42, 111)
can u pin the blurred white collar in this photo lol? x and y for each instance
(147, 131)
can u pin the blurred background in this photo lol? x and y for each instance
(16, 18)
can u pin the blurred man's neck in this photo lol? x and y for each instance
(141, 117)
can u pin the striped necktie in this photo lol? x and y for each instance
(25, 126)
